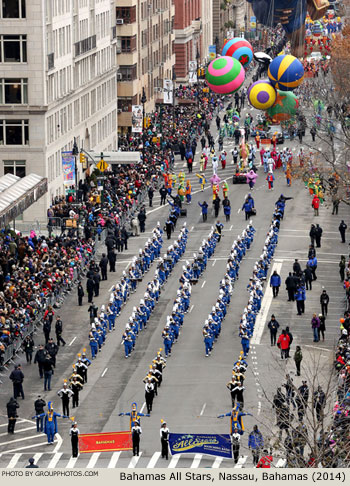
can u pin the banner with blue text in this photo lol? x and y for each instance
(213, 444)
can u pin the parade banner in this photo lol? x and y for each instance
(212, 444)
(192, 72)
(105, 441)
(168, 91)
(68, 167)
(136, 120)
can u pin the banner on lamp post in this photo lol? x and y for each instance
(212, 52)
(68, 168)
(168, 91)
(252, 23)
(192, 72)
(136, 121)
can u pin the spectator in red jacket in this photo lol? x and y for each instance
(315, 204)
(283, 343)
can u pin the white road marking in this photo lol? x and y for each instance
(265, 307)
(231, 227)
(13, 461)
(280, 463)
(196, 461)
(241, 461)
(239, 211)
(114, 460)
(52, 464)
(217, 462)
(27, 447)
(134, 460)
(71, 462)
(259, 408)
(203, 283)
(213, 262)
(59, 443)
(174, 461)
(153, 460)
(19, 440)
(93, 460)
(203, 408)
(143, 406)
(192, 228)
(72, 341)
(191, 309)
(17, 422)
(104, 372)
(18, 431)
(37, 456)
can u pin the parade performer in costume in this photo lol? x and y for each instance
(134, 415)
(188, 192)
(50, 422)
(202, 180)
(225, 189)
(236, 420)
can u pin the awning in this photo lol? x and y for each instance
(7, 180)
(19, 196)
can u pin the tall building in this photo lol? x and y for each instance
(229, 16)
(145, 46)
(207, 29)
(57, 82)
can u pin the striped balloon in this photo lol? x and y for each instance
(225, 75)
(240, 49)
(262, 94)
(286, 72)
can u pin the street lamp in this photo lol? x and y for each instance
(75, 153)
(198, 58)
(143, 101)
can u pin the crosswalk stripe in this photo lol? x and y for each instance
(71, 462)
(114, 459)
(134, 460)
(280, 463)
(37, 457)
(28, 447)
(217, 462)
(17, 422)
(153, 460)
(241, 461)
(93, 460)
(174, 461)
(13, 461)
(19, 431)
(196, 461)
(54, 460)
(19, 440)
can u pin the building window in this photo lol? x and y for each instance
(13, 91)
(13, 48)
(129, 73)
(15, 167)
(14, 132)
(128, 44)
(128, 14)
(13, 9)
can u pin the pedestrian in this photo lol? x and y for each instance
(319, 403)
(47, 330)
(324, 301)
(315, 325)
(90, 288)
(112, 258)
(342, 228)
(235, 440)
(65, 395)
(164, 440)
(227, 208)
(297, 267)
(298, 356)
(97, 279)
(103, 266)
(150, 196)
(275, 283)
(312, 264)
(52, 350)
(322, 327)
(39, 405)
(255, 443)
(163, 194)
(283, 343)
(336, 202)
(142, 220)
(31, 464)
(273, 326)
(289, 386)
(47, 367)
(12, 415)
(216, 206)
(312, 234)
(266, 460)
(308, 277)
(136, 432)
(302, 399)
(149, 395)
(28, 346)
(290, 287)
(318, 235)
(300, 297)
(313, 133)
(40, 358)
(81, 294)
(74, 438)
(290, 335)
(58, 331)
(17, 378)
(342, 265)
(315, 204)
(247, 207)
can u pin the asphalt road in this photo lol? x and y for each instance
(194, 390)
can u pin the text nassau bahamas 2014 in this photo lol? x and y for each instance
(223, 476)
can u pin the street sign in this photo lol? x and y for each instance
(102, 165)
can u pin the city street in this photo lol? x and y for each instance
(193, 392)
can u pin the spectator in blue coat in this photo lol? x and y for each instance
(275, 283)
(255, 443)
(247, 207)
(204, 207)
(300, 297)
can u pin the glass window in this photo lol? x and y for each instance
(13, 48)
(13, 91)
(13, 9)
(14, 132)
(15, 167)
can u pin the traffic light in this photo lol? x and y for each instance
(82, 158)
